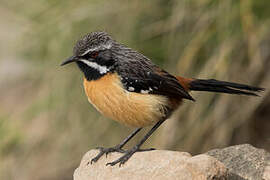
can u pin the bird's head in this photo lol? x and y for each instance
(93, 54)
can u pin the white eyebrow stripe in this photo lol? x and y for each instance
(106, 46)
(101, 69)
(87, 51)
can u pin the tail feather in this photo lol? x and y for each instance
(213, 85)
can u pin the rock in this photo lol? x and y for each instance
(158, 164)
(244, 162)
(241, 162)
(266, 174)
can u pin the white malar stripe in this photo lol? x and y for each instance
(101, 69)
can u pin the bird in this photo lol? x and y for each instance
(126, 86)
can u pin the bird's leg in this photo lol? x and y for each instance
(136, 148)
(117, 148)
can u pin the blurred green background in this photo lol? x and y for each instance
(46, 123)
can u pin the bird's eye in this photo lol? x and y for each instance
(94, 54)
(90, 55)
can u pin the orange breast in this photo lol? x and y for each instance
(133, 109)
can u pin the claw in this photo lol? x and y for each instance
(123, 159)
(105, 151)
(111, 164)
(150, 149)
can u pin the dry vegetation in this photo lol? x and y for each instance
(46, 123)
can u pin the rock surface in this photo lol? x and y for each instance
(158, 164)
(241, 162)
(244, 162)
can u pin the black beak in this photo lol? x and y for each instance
(69, 60)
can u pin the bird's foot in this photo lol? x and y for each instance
(127, 155)
(106, 151)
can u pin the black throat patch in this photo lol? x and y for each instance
(89, 73)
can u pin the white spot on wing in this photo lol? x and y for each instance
(131, 88)
(101, 69)
(144, 91)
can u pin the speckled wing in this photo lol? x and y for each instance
(142, 76)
